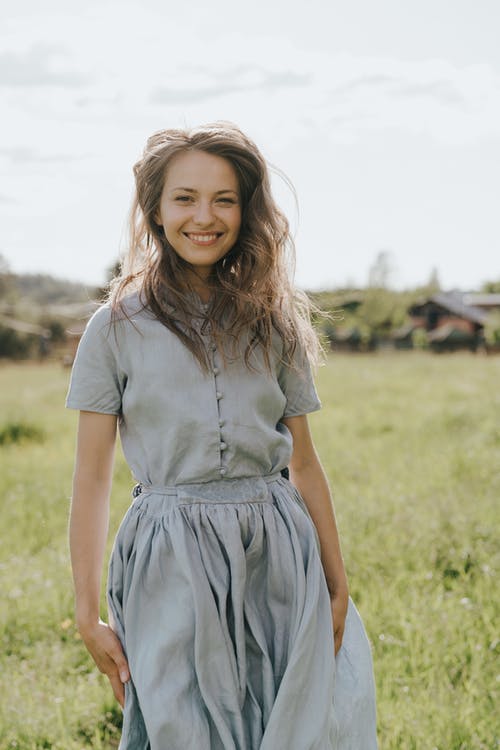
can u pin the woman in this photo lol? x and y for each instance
(225, 576)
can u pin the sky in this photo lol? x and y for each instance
(384, 115)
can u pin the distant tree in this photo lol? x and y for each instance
(113, 270)
(14, 345)
(56, 328)
(111, 273)
(381, 310)
(6, 282)
(433, 285)
(43, 289)
(492, 330)
(381, 271)
(491, 287)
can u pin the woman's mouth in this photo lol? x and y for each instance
(209, 238)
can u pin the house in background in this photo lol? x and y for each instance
(486, 302)
(440, 321)
(404, 337)
(449, 320)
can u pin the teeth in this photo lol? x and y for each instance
(203, 237)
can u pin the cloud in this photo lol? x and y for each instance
(444, 91)
(202, 84)
(365, 81)
(24, 155)
(6, 200)
(450, 103)
(37, 67)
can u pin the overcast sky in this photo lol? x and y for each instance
(385, 115)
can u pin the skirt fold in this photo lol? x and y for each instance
(219, 598)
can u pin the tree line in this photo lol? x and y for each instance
(375, 310)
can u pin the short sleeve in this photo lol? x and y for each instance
(96, 380)
(297, 384)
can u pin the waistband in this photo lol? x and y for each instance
(210, 486)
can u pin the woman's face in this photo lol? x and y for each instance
(200, 208)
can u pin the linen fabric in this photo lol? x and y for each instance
(215, 584)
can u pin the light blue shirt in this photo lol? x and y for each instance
(177, 423)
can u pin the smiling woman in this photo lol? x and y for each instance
(200, 211)
(230, 624)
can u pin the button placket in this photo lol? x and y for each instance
(219, 396)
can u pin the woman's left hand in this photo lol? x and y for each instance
(339, 602)
(308, 476)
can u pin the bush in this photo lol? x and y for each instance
(15, 345)
(18, 432)
(419, 339)
(492, 330)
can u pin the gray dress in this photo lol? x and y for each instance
(215, 585)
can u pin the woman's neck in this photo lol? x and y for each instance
(200, 285)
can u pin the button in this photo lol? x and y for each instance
(216, 371)
(223, 471)
(223, 445)
(218, 395)
(214, 347)
(221, 423)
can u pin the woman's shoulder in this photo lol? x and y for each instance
(127, 309)
(111, 314)
(129, 306)
(101, 316)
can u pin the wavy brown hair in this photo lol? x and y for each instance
(251, 289)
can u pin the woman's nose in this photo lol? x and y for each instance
(203, 213)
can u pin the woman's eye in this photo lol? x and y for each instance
(226, 200)
(183, 198)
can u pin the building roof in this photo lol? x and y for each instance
(454, 302)
(482, 300)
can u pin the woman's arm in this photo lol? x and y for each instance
(307, 474)
(88, 530)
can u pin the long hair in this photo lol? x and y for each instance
(252, 292)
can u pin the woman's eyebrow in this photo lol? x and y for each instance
(218, 192)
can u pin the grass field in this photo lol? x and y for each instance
(411, 444)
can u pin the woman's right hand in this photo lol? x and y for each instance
(88, 530)
(106, 650)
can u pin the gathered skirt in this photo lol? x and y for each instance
(217, 593)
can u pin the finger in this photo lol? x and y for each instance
(118, 657)
(338, 636)
(112, 661)
(118, 688)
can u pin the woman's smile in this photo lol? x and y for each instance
(199, 238)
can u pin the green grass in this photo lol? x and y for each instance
(411, 444)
